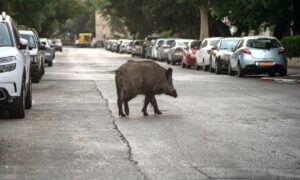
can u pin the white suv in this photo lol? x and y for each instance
(15, 81)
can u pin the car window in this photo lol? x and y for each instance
(228, 44)
(263, 43)
(239, 45)
(204, 44)
(214, 42)
(195, 44)
(30, 39)
(170, 42)
(139, 43)
(5, 38)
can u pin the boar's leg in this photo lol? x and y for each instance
(126, 108)
(147, 100)
(154, 104)
(120, 102)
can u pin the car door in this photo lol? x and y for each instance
(235, 55)
(200, 53)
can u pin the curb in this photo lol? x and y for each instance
(270, 79)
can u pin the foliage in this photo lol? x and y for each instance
(292, 46)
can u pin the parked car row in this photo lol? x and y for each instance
(22, 58)
(231, 55)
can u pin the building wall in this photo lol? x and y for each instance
(102, 30)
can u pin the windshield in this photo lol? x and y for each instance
(195, 44)
(182, 44)
(214, 42)
(5, 39)
(30, 39)
(228, 44)
(263, 43)
(170, 42)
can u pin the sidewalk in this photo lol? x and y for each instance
(292, 77)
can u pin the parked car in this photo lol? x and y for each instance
(221, 53)
(189, 54)
(163, 49)
(258, 54)
(175, 53)
(129, 48)
(123, 46)
(49, 52)
(148, 49)
(15, 80)
(154, 49)
(114, 46)
(37, 51)
(203, 54)
(137, 48)
(58, 45)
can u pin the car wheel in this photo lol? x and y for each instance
(197, 67)
(183, 64)
(230, 71)
(283, 72)
(188, 66)
(19, 112)
(218, 70)
(28, 99)
(50, 63)
(210, 67)
(173, 62)
(203, 66)
(241, 72)
(271, 73)
(36, 78)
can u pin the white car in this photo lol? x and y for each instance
(203, 54)
(154, 50)
(15, 81)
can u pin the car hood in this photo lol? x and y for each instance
(8, 51)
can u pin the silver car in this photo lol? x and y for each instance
(258, 54)
(163, 49)
(175, 53)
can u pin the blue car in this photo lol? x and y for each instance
(258, 55)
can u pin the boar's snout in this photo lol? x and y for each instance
(173, 93)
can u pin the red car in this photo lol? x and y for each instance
(189, 54)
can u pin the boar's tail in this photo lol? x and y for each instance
(112, 72)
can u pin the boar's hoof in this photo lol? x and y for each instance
(145, 113)
(122, 115)
(158, 112)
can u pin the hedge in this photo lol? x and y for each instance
(291, 45)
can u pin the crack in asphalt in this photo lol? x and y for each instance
(121, 135)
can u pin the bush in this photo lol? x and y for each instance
(291, 45)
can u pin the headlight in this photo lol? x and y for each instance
(33, 59)
(7, 67)
(7, 59)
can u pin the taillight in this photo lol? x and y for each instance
(208, 51)
(246, 51)
(281, 52)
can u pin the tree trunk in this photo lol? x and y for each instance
(204, 29)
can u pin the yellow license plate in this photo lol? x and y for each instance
(265, 63)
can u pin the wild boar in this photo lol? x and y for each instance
(142, 77)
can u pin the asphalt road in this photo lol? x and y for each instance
(219, 127)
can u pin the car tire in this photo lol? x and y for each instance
(37, 78)
(271, 73)
(183, 65)
(217, 70)
(204, 66)
(241, 71)
(28, 98)
(230, 71)
(197, 67)
(173, 62)
(50, 63)
(211, 68)
(283, 72)
(19, 112)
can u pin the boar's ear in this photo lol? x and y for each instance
(169, 73)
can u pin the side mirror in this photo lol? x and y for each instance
(23, 43)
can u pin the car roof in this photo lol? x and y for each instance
(258, 37)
